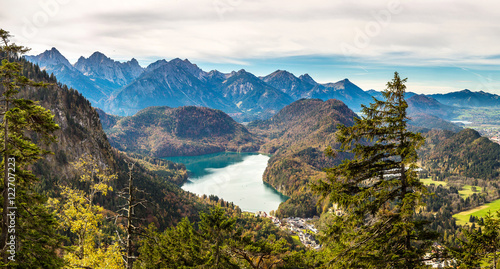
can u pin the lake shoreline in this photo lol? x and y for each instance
(233, 176)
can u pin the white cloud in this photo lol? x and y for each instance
(421, 32)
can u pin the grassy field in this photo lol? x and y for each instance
(428, 181)
(463, 217)
(465, 192)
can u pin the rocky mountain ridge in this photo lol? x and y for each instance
(99, 67)
(125, 88)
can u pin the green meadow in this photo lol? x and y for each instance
(479, 212)
(465, 192)
(428, 181)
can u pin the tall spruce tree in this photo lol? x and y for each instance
(378, 191)
(217, 228)
(28, 238)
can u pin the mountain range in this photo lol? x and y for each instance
(124, 88)
(96, 77)
(467, 98)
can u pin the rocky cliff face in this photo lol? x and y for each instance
(296, 87)
(125, 88)
(175, 83)
(100, 67)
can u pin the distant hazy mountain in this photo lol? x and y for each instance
(465, 98)
(305, 87)
(345, 91)
(175, 83)
(296, 87)
(374, 93)
(468, 98)
(181, 131)
(428, 105)
(421, 122)
(427, 113)
(252, 95)
(379, 96)
(102, 69)
(95, 78)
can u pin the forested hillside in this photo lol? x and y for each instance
(297, 137)
(182, 131)
(465, 153)
(81, 134)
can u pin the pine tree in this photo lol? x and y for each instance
(216, 228)
(263, 253)
(176, 247)
(184, 247)
(378, 191)
(482, 244)
(28, 229)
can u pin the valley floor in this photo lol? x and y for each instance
(478, 212)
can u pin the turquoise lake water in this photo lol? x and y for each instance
(234, 177)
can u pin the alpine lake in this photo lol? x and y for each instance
(234, 177)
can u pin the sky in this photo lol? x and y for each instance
(441, 46)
